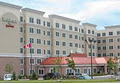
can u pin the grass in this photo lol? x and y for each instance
(63, 81)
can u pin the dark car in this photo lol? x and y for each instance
(51, 76)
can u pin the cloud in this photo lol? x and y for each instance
(96, 8)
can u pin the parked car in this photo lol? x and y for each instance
(51, 75)
(8, 77)
(84, 76)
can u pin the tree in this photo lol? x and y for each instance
(14, 76)
(57, 62)
(70, 63)
(57, 68)
(115, 64)
(110, 63)
(8, 68)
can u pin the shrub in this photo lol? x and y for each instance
(99, 74)
(14, 76)
(34, 76)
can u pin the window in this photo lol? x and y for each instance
(31, 20)
(57, 25)
(118, 39)
(44, 32)
(110, 40)
(89, 31)
(41, 72)
(104, 41)
(63, 35)
(48, 51)
(38, 41)
(38, 51)
(38, 21)
(98, 34)
(32, 61)
(76, 36)
(70, 35)
(82, 30)
(63, 26)
(39, 61)
(38, 31)
(31, 40)
(48, 42)
(21, 19)
(77, 71)
(118, 32)
(32, 50)
(57, 43)
(31, 71)
(69, 71)
(43, 23)
(21, 29)
(21, 50)
(64, 43)
(57, 52)
(118, 54)
(104, 47)
(31, 30)
(44, 52)
(118, 47)
(82, 46)
(83, 38)
(98, 41)
(76, 28)
(76, 44)
(85, 71)
(110, 47)
(95, 70)
(44, 42)
(99, 55)
(48, 33)
(71, 44)
(110, 33)
(64, 52)
(70, 27)
(103, 34)
(48, 24)
(21, 40)
(111, 54)
(104, 54)
(22, 72)
(21, 61)
(57, 34)
(93, 32)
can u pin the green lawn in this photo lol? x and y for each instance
(63, 81)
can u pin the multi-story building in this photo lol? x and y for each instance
(109, 41)
(52, 36)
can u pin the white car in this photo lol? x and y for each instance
(8, 77)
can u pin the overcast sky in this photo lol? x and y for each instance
(99, 12)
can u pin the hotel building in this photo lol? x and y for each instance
(52, 36)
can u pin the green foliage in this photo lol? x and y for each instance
(70, 63)
(57, 62)
(14, 76)
(34, 76)
(8, 68)
(99, 74)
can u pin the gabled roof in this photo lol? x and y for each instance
(77, 60)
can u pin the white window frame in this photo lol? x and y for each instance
(43, 71)
(22, 70)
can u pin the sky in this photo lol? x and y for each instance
(99, 12)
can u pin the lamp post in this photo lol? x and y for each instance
(91, 46)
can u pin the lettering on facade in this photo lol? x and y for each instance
(9, 21)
